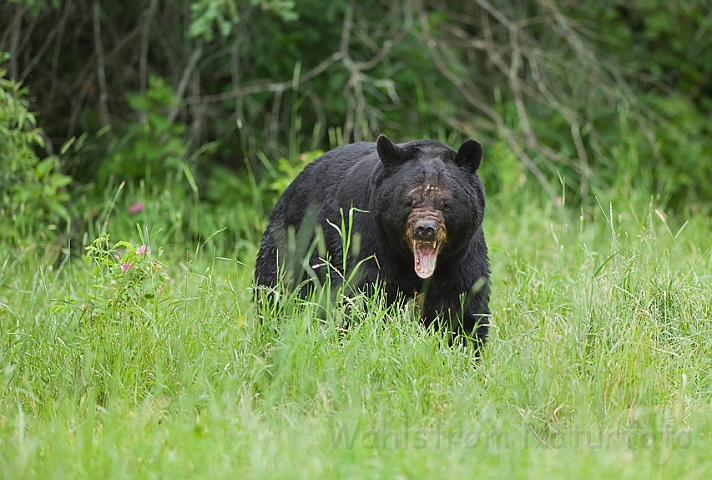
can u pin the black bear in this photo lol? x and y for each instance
(414, 213)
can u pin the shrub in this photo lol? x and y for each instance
(32, 191)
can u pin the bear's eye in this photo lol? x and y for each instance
(445, 206)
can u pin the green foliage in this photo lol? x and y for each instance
(238, 205)
(238, 202)
(205, 13)
(659, 50)
(682, 168)
(32, 191)
(601, 324)
(225, 15)
(151, 148)
(650, 37)
(285, 172)
(37, 6)
(273, 78)
(597, 367)
(128, 279)
(126, 301)
(501, 171)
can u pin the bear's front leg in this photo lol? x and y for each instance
(463, 315)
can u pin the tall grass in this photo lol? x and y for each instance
(598, 364)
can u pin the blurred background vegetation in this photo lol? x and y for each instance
(190, 106)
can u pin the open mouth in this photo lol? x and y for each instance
(425, 254)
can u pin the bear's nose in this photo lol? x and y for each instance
(425, 230)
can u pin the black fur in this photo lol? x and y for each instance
(388, 182)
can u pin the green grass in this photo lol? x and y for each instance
(598, 364)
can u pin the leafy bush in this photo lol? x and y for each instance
(151, 147)
(32, 191)
(551, 80)
(128, 279)
(238, 202)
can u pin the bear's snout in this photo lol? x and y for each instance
(425, 230)
(425, 235)
(425, 226)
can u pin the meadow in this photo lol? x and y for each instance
(147, 358)
(142, 145)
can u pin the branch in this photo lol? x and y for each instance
(48, 40)
(14, 32)
(145, 33)
(58, 47)
(183, 83)
(100, 67)
(466, 92)
(264, 86)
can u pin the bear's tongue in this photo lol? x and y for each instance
(425, 254)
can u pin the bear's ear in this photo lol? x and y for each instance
(469, 155)
(389, 153)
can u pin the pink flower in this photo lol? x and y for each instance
(125, 266)
(144, 250)
(135, 208)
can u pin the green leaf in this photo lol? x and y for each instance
(44, 167)
(58, 209)
(58, 180)
(138, 102)
(160, 123)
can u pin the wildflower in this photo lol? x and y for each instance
(135, 208)
(144, 250)
(125, 266)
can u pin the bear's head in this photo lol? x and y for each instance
(429, 200)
